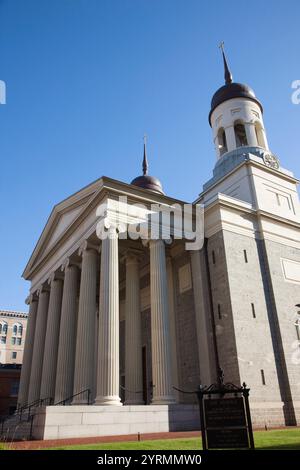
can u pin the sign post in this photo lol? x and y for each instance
(225, 416)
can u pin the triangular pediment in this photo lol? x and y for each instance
(61, 218)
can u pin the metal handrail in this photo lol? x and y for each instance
(63, 402)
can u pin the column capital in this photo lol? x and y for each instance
(32, 297)
(109, 229)
(87, 245)
(152, 241)
(69, 262)
(131, 255)
(43, 288)
(55, 276)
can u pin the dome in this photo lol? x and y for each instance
(148, 182)
(232, 90)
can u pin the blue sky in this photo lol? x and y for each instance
(87, 78)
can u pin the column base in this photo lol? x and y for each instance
(134, 402)
(108, 400)
(165, 400)
(81, 402)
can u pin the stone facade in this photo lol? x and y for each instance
(137, 320)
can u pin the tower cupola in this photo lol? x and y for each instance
(236, 116)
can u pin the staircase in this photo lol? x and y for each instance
(14, 429)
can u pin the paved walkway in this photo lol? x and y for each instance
(30, 445)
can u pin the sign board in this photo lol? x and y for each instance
(225, 417)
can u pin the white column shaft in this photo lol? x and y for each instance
(108, 346)
(38, 347)
(133, 334)
(51, 341)
(27, 357)
(161, 351)
(67, 336)
(84, 362)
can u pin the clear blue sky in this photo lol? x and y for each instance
(87, 78)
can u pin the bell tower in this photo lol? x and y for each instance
(236, 116)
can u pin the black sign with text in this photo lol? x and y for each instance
(224, 412)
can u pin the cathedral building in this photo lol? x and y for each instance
(119, 326)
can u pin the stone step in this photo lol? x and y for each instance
(16, 430)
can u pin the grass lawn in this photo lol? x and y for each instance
(283, 439)
(288, 439)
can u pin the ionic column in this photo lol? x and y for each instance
(85, 341)
(28, 349)
(108, 346)
(67, 334)
(38, 347)
(160, 328)
(133, 333)
(52, 337)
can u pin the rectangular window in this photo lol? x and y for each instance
(14, 355)
(14, 388)
(19, 341)
(213, 257)
(245, 256)
(263, 380)
(253, 311)
(13, 340)
(219, 312)
(3, 339)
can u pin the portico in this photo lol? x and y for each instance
(76, 287)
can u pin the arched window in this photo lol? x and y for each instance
(3, 328)
(240, 134)
(222, 143)
(20, 330)
(15, 329)
(259, 134)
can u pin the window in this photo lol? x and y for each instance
(15, 330)
(245, 256)
(253, 311)
(13, 340)
(14, 388)
(213, 257)
(14, 355)
(3, 328)
(263, 380)
(240, 135)
(19, 341)
(3, 340)
(20, 330)
(222, 142)
(219, 312)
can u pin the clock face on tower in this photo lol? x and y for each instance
(271, 161)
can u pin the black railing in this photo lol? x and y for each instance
(69, 399)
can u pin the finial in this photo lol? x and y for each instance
(228, 74)
(145, 161)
